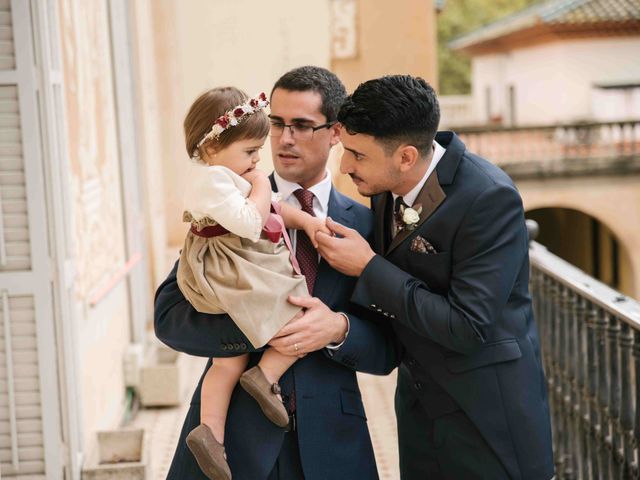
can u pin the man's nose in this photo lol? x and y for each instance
(345, 166)
(287, 136)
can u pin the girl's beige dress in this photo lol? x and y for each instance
(241, 273)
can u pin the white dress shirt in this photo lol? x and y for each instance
(320, 190)
(321, 193)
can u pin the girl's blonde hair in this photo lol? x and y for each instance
(211, 105)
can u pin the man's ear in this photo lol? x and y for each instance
(407, 156)
(335, 130)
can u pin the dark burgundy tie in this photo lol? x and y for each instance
(307, 257)
(306, 254)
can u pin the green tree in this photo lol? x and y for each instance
(457, 18)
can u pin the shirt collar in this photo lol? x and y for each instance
(411, 196)
(321, 190)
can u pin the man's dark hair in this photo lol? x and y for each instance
(394, 109)
(319, 80)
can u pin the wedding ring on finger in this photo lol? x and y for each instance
(295, 347)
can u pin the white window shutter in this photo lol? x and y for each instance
(14, 223)
(21, 440)
(30, 438)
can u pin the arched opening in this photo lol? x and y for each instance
(587, 243)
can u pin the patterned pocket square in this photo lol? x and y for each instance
(422, 245)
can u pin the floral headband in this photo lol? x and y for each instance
(232, 118)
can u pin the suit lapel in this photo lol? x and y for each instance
(432, 194)
(274, 185)
(430, 197)
(382, 215)
(328, 278)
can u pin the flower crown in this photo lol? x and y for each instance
(232, 118)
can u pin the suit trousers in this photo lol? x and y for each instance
(288, 465)
(448, 447)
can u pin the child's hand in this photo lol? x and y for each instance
(254, 174)
(313, 225)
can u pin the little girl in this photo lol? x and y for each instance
(237, 259)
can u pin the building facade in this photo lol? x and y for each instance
(555, 102)
(92, 97)
(561, 61)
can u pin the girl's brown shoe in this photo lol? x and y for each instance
(266, 394)
(209, 453)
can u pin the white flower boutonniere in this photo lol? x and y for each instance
(411, 216)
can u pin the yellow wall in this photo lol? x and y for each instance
(103, 331)
(156, 77)
(614, 201)
(214, 43)
(396, 37)
(569, 234)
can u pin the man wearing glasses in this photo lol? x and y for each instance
(327, 436)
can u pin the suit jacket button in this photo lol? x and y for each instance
(236, 346)
(418, 386)
(243, 346)
(373, 306)
(379, 310)
(224, 346)
(229, 346)
(392, 316)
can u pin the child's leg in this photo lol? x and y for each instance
(206, 441)
(261, 382)
(274, 364)
(217, 387)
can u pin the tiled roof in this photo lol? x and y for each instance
(588, 11)
(555, 13)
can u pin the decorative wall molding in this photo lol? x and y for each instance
(344, 34)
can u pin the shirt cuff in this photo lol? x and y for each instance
(336, 346)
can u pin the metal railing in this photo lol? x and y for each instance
(590, 340)
(548, 144)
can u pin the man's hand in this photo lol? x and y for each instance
(349, 254)
(315, 329)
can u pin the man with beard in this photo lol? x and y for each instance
(449, 270)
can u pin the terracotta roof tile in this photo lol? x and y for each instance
(555, 13)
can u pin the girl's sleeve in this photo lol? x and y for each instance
(227, 205)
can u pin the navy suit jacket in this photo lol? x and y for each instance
(333, 436)
(464, 313)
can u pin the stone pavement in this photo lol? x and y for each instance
(377, 395)
(163, 425)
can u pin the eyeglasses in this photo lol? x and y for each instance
(297, 131)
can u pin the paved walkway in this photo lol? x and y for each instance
(163, 424)
(377, 394)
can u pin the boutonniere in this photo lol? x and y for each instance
(410, 216)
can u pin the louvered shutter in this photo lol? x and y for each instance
(30, 437)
